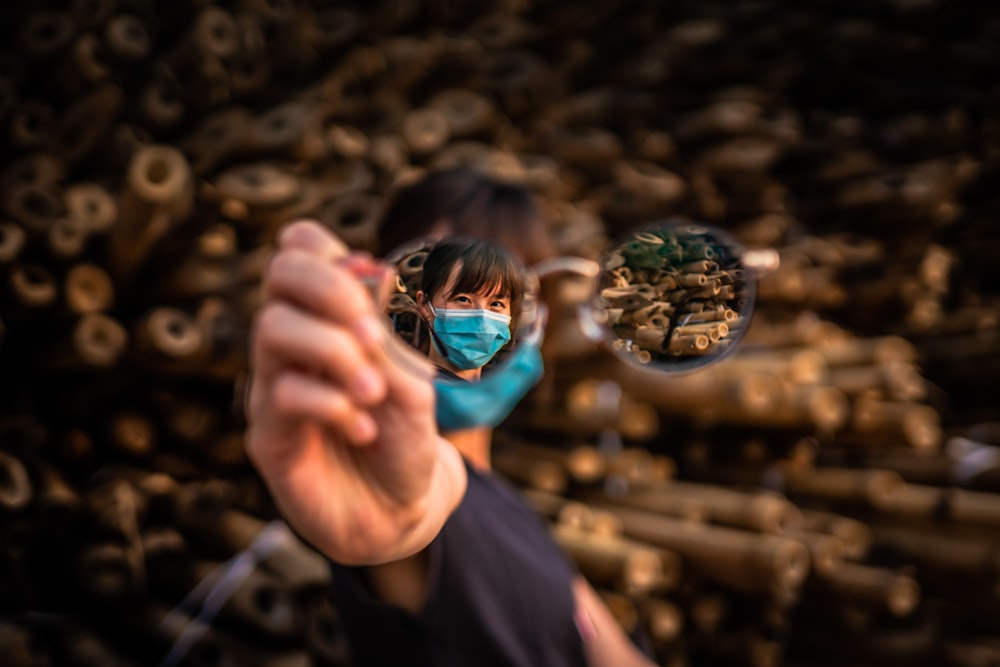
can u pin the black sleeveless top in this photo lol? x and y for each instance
(498, 594)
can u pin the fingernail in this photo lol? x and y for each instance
(368, 386)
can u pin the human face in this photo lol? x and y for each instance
(495, 299)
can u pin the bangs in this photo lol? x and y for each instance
(488, 273)
(482, 269)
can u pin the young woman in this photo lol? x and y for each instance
(470, 292)
(437, 561)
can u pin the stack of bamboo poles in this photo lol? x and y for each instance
(826, 495)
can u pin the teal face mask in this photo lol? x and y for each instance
(469, 338)
(487, 402)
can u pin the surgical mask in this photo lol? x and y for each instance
(469, 338)
(487, 402)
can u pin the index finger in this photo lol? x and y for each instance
(314, 238)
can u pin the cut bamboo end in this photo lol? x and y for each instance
(789, 563)
(159, 174)
(33, 286)
(99, 340)
(15, 484)
(12, 240)
(173, 333)
(88, 289)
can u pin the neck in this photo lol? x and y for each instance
(474, 445)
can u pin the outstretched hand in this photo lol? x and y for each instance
(342, 432)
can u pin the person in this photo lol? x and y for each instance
(470, 292)
(436, 559)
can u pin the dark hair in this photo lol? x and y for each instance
(467, 203)
(484, 266)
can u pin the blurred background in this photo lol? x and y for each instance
(828, 495)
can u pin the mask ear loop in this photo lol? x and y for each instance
(430, 329)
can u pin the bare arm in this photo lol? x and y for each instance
(605, 641)
(343, 436)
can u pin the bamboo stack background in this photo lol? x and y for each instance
(827, 496)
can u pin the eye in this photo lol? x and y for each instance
(462, 298)
(499, 304)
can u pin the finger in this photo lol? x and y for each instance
(297, 395)
(304, 341)
(329, 290)
(314, 238)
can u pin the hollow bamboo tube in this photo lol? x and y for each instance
(957, 505)
(96, 341)
(622, 608)
(132, 433)
(975, 507)
(800, 366)
(66, 239)
(896, 593)
(12, 240)
(946, 558)
(674, 505)
(826, 552)
(706, 612)
(612, 561)
(580, 516)
(701, 393)
(855, 536)
(917, 425)
(795, 406)
(585, 464)
(16, 489)
(187, 418)
(212, 34)
(88, 289)
(157, 196)
(805, 329)
(46, 33)
(894, 381)
(55, 498)
(39, 168)
(663, 620)
(875, 488)
(279, 129)
(127, 38)
(233, 530)
(465, 111)
(32, 287)
(169, 333)
(34, 206)
(261, 603)
(355, 218)
(201, 275)
(744, 560)
(31, 125)
(635, 465)
(425, 130)
(867, 351)
(537, 474)
(761, 511)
